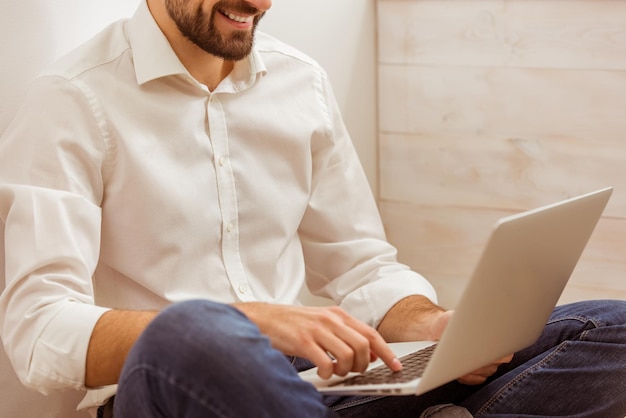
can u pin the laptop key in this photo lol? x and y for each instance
(413, 366)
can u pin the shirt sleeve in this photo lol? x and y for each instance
(347, 255)
(51, 159)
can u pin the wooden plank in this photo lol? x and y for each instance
(498, 172)
(579, 34)
(515, 102)
(490, 107)
(575, 293)
(444, 243)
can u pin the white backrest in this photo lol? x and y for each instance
(33, 33)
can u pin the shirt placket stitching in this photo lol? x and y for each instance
(227, 200)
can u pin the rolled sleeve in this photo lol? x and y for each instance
(50, 192)
(372, 301)
(58, 357)
(47, 310)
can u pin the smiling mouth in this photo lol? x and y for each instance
(236, 18)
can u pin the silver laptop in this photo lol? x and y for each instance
(504, 308)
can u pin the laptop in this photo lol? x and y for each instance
(519, 278)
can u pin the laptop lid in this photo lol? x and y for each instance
(519, 279)
(516, 284)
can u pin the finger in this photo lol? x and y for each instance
(381, 350)
(361, 351)
(378, 345)
(472, 379)
(343, 359)
(481, 375)
(486, 371)
(321, 359)
(364, 340)
(349, 349)
(345, 354)
(506, 359)
(351, 342)
(490, 369)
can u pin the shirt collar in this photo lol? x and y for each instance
(152, 54)
(154, 57)
(244, 74)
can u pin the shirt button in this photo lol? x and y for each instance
(243, 288)
(222, 161)
(229, 227)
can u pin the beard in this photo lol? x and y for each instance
(200, 29)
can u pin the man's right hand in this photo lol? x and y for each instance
(334, 341)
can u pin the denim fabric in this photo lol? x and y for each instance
(203, 359)
(446, 411)
(577, 368)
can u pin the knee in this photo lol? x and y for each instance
(600, 319)
(201, 316)
(197, 331)
(599, 312)
(615, 313)
(183, 356)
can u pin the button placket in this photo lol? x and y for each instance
(227, 200)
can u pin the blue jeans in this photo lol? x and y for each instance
(204, 359)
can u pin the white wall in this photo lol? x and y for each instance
(339, 34)
(35, 32)
(498, 113)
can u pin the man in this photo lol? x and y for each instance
(167, 189)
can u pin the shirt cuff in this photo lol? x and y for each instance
(371, 302)
(60, 354)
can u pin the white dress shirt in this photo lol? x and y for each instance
(125, 183)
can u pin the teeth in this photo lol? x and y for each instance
(239, 19)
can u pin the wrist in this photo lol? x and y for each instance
(414, 318)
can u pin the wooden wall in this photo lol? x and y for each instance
(491, 107)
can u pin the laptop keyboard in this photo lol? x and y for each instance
(413, 366)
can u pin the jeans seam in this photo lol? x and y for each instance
(505, 389)
(356, 402)
(176, 384)
(584, 320)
